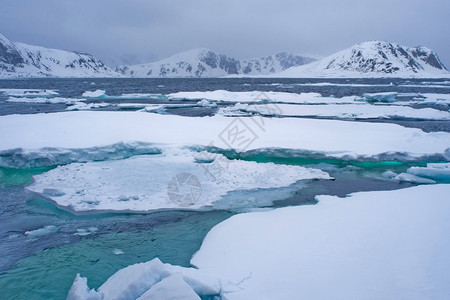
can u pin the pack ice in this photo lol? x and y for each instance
(369, 245)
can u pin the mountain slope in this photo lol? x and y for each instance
(22, 60)
(207, 63)
(374, 59)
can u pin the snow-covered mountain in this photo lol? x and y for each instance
(22, 60)
(207, 63)
(374, 59)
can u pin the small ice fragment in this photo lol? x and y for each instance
(117, 251)
(41, 231)
(95, 94)
(413, 178)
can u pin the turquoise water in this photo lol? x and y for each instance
(49, 273)
(97, 245)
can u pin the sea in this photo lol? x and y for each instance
(43, 247)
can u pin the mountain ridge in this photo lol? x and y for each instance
(203, 62)
(23, 60)
(374, 59)
(370, 59)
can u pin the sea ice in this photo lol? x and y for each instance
(49, 229)
(30, 93)
(149, 278)
(344, 111)
(117, 251)
(87, 106)
(380, 97)
(81, 130)
(95, 94)
(434, 98)
(101, 94)
(46, 100)
(435, 171)
(370, 245)
(405, 177)
(143, 183)
(257, 96)
(172, 287)
(48, 156)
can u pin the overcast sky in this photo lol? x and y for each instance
(133, 31)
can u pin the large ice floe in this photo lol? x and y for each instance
(258, 96)
(341, 111)
(370, 245)
(175, 179)
(72, 131)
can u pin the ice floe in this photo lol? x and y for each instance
(46, 100)
(257, 96)
(101, 94)
(48, 156)
(341, 111)
(343, 84)
(372, 245)
(149, 278)
(432, 173)
(179, 179)
(94, 94)
(87, 106)
(433, 98)
(405, 177)
(380, 97)
(49, 229)
(435, 171)
(30, 93)
(82, 130)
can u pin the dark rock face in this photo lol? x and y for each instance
(386, 58)
(276, 63)
(20, 60)
(204, 63)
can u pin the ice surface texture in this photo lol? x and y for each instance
(144, 183)
(81, 130)
(371, 245)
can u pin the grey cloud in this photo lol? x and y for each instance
(137, 30)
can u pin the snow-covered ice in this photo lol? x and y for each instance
(94, 94)
(101, 94)
(29, 93)
(149, 278)
(369, 245)
(45, 100)
(406, 177)
(343, 111)
(258, 96)
(436, 171)
(342, 84)
(87, 106)
(380, 97)
(170, 288)
(434, 98)
(80, 130)
(142, 183)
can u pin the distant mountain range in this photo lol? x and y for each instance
(22, 60)
(207, 63)
(374, 59)
(369, 59)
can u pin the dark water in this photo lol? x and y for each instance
(43, 266)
